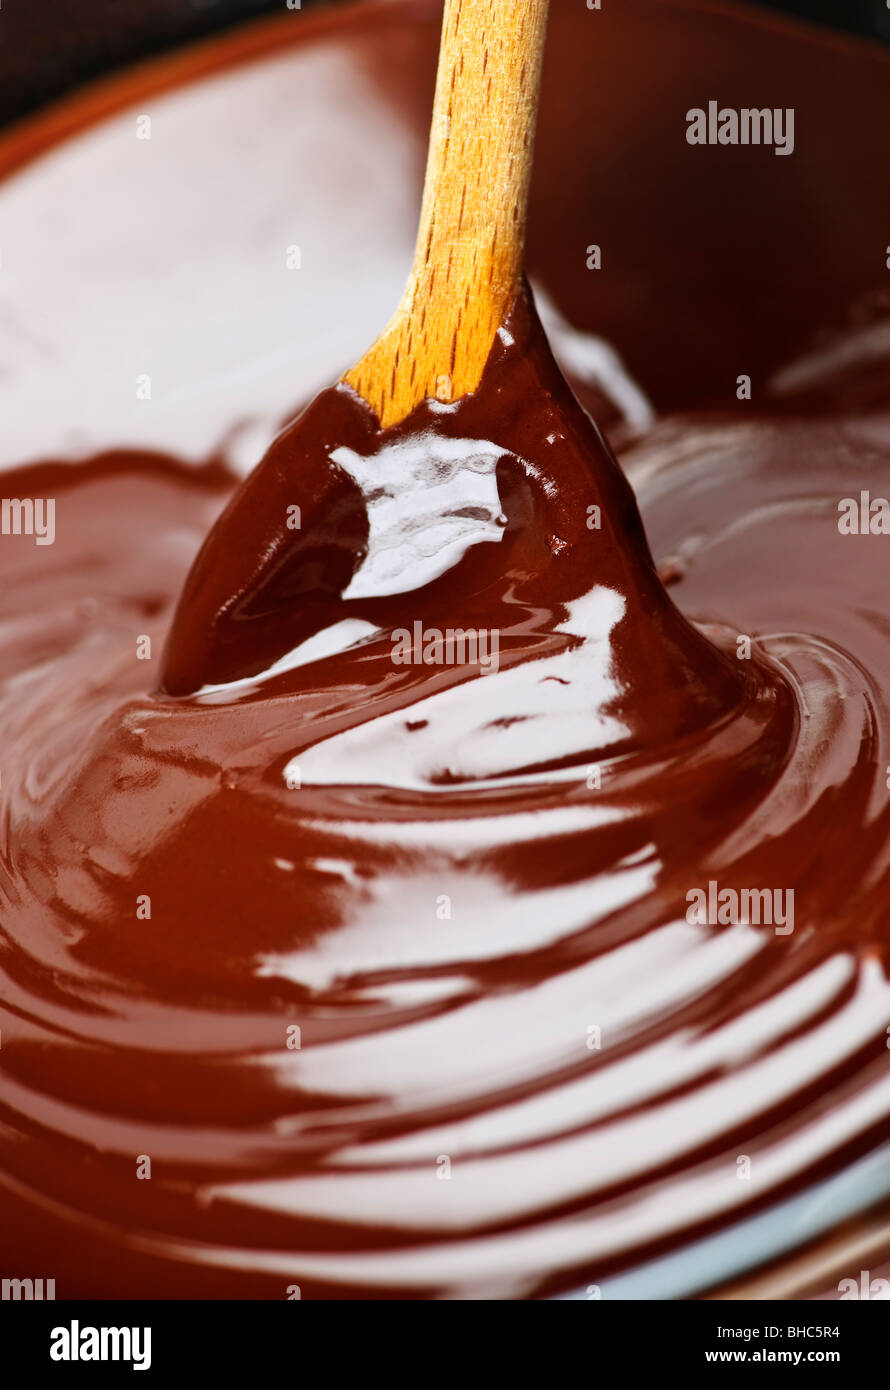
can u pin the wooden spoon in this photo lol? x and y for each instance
(470, 243)
(257, 588)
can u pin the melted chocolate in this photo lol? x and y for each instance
(460, 885)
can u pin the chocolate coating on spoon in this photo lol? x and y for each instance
(464, 882)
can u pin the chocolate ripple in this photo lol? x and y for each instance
(462, 887)
(521, 1065)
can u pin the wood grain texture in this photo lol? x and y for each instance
(468, 260)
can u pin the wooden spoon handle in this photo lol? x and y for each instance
(468, 260)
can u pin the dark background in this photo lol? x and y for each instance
(47, 47)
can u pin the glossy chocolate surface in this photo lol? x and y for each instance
(461, 885)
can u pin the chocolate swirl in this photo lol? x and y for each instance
(376, 942)
(466, 887)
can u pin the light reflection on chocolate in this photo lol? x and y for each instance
(453, 883)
